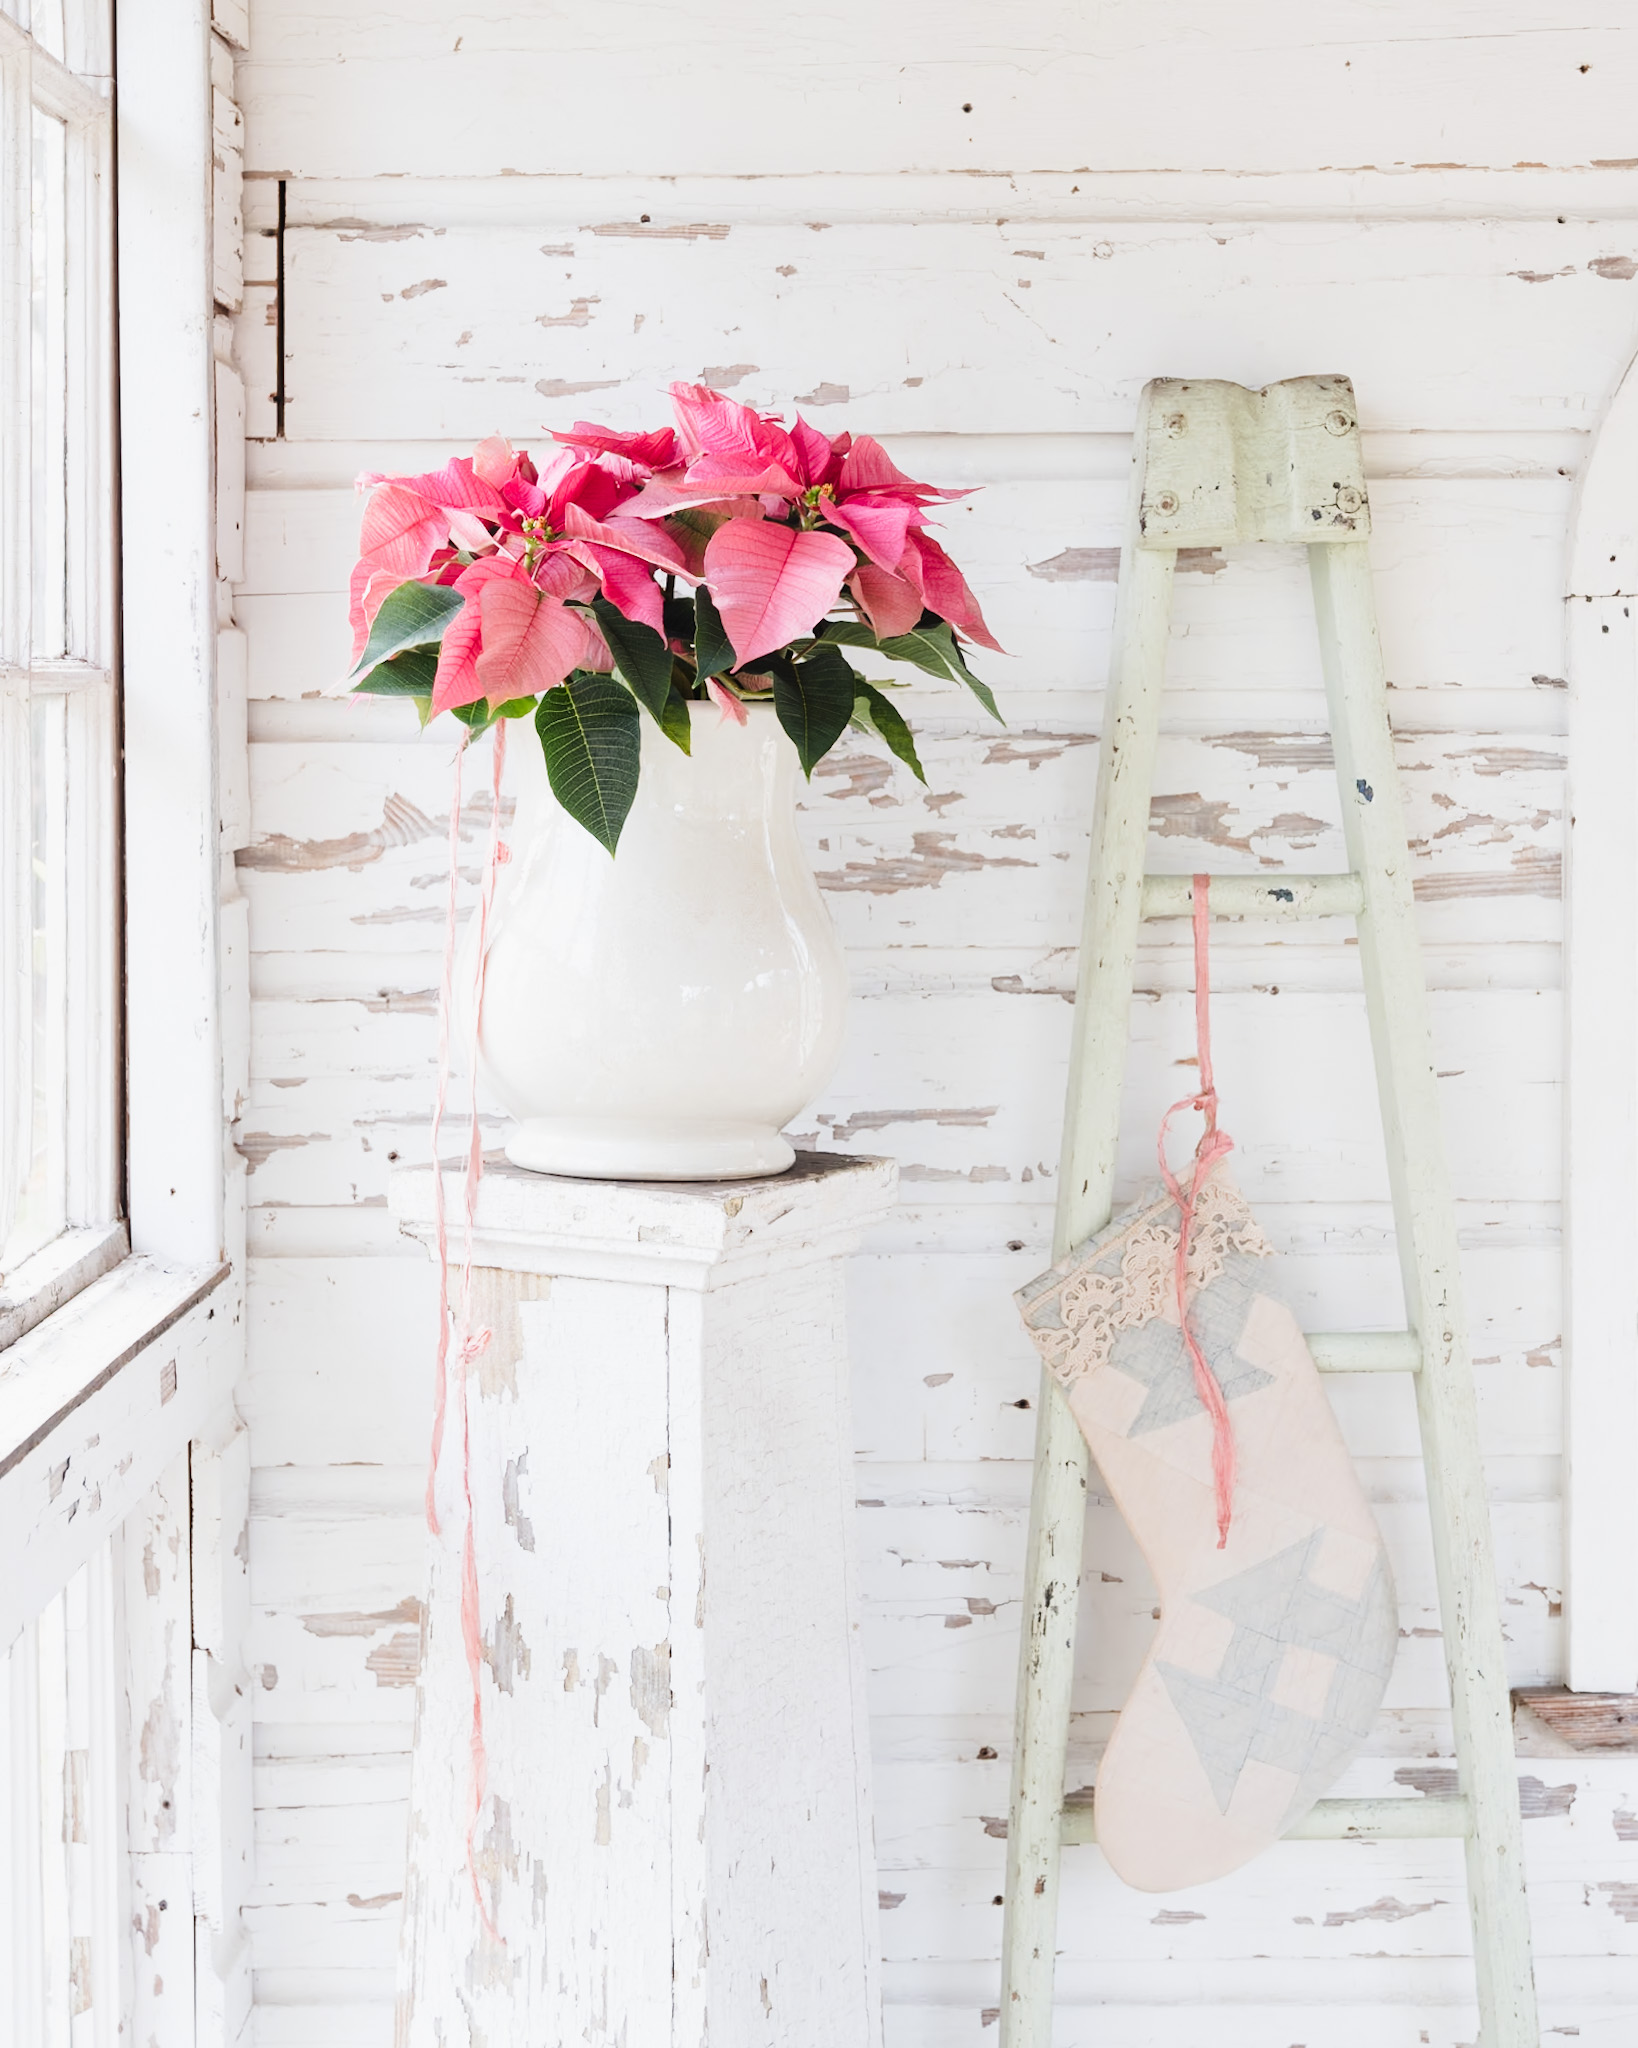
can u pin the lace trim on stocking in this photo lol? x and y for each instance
(1094, 1306)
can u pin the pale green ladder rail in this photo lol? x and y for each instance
(1214, 465)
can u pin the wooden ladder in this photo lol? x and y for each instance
(1216, 464)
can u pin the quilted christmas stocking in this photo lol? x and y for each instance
(1194, 1388)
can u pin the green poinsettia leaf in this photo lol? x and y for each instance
(814, 701)
(845, 632)
(590, 735)
(640, 655)
(675, 722)
(713, 650)
(409, 674)
(699, 521)
(931, 645)
(882, 716)
(413, 615)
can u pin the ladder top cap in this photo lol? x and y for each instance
(1221, 464)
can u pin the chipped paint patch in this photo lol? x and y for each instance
(402, 824)
(1169, 1917)
(934, 855)
(1544, 1802)
(825, 394)
(397, 1662)
(1433, 1781)
(644, 230)
(1290, 750)
(1382, 1909)
(159, 1755)
(1189, 815)
(1032, 748)
(578, 315)
(256, 1148)
(1532, 873)
(362, 231)
(1297, 829)
(354, 1623)
(865, 775)
(515, 1469)
(1499, 760)
(879, 1119)
(977, 1175)
(147, 1927)
(558, 387)
(505, 1651)
(651, 1686)
(1102, 565)
(427, 284)
(1623, 1900)
(724, 376)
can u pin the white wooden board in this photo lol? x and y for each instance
(1457, 84)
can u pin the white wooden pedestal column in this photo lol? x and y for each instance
(675, 1844)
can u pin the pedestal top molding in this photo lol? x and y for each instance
(704, 1234)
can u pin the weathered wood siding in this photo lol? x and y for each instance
(980, 229)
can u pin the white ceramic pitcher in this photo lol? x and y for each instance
(661, 1014)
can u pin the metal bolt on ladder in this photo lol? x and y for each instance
(1214, 465)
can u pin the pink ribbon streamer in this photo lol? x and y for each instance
(470, 1342)
(1213, 1145)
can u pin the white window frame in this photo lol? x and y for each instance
(1601, 1064)
(81, 1340)
(119, 1396)
(79, 94)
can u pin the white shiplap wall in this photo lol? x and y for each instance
(978, 230)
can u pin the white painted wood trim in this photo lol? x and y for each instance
(702, 1236)
(1095, 198)
(57, 1271)
(1601, 1065)
(93, 1404)
(167, 374)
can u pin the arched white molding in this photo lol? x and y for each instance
(1601, 1136)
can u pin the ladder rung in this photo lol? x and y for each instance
(1365, 1350)
(1342, 1820)
(1257, 896)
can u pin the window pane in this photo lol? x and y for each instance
(49, 388)
(42, 1207)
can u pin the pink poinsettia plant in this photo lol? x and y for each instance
(727, 558)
